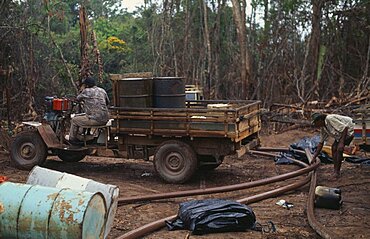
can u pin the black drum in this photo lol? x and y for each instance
(168, 92)
(134, 92)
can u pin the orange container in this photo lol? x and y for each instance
(60, 104)
(65, 104)
(3, 179)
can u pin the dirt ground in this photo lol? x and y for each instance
(137, 177)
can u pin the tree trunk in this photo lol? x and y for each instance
(217, 49)
(315, 43)
(259, 89)
(85, 70)
(98, 56)
(363, 85)
(207, 41)
(309, 70)
(245, 66)
(186, 58)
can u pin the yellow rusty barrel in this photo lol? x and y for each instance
(33, 211)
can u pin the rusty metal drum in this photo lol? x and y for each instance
(51, 178)
(33, 211)
(168, 92)
(134, 92)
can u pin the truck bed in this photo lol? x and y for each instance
(235, 120)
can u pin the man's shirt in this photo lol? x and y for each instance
(335, 125)
(96, 100)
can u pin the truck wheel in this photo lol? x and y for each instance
(71, 156)
(209, 162)
(28, 150)
(175, 161)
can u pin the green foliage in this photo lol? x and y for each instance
(172, 41)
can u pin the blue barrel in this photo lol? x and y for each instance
(169, 92)
(33, 211)
(51, 178)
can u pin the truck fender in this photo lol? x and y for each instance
(48, 136)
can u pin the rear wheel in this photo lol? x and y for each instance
(175, 161)
(71, 156)
(28, 150)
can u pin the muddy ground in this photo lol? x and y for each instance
(136, 177)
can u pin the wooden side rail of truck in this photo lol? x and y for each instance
(183, 140)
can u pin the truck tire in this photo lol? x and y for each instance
(175, 161)
(71, 157)
(28, 150)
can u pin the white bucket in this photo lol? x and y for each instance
(51, 178)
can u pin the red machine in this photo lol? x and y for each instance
(60, 104)
(56, 104)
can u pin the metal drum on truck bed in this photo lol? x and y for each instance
(133, 92)
(168, 92)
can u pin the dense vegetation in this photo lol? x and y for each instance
(276, 51)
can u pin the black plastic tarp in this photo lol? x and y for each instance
(284, 158)
(311, 144)
(213, 215)
(304, 143)
(358, 160)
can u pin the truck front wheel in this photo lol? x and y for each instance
(175, 161)
(28, 150)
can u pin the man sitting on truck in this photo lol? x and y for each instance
(95, 101)
(341, 128)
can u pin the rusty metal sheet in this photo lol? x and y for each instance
(48, 135)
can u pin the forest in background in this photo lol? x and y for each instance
(282, 51)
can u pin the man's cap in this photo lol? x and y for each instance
(89, 81)
(316, 116)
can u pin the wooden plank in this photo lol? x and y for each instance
(176, 132)
(245, 148)
(176, 119)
